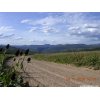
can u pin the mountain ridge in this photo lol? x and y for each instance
(47, 48)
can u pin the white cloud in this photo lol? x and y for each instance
(47, 24)
(78, 27)
(47, 21)
(92, 30)
(87, 29)
(47, 29)
(33, 29)
(91, 25)
(4, 29)
(43, 29)
(6, 32)
(18, 38)
(26, 21)
(7, 36)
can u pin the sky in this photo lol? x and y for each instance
(37, 28)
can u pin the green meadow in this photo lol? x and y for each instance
(90, 59)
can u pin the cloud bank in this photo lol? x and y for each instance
(54, 28)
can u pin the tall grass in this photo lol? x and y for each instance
(77, 58)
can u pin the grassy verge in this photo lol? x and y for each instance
(77, 58)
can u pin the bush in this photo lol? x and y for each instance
(9, 76)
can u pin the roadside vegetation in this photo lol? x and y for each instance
(9, 74)
(89, 58)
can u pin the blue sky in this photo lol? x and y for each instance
(29, 28)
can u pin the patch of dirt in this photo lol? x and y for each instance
(49, 74)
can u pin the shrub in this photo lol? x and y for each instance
(9, 76)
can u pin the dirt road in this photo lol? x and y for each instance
(49, 74)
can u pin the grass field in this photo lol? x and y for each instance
(90, 59)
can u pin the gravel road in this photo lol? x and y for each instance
(49, 74)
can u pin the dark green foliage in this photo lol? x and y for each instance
(9, 75)
(13, 76)
(28, 60)
(26, 52)
(14, 59)
(21, 53)
(1, 49)
(17, 53)
(7, 46)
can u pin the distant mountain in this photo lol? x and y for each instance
(47, 48)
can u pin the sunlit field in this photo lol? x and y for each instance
(90, 59)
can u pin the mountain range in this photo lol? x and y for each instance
(47, 48)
